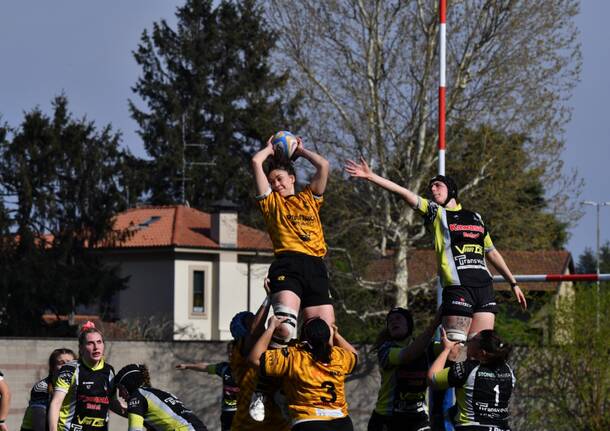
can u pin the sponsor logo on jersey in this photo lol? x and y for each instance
(470, 248)
(471, 235)
(88, 420)
(466, 227)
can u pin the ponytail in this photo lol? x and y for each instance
(496, 350)
(316, 334)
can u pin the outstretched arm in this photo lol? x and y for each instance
(439, 363)
(362, 170)
(320, 178)
(54, 407)
(497, 261)
(339, 341)
(262, 184)
(418, 346)
(261, 345)
(198, 366)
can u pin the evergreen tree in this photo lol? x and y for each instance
(211, 97)
(63, 180)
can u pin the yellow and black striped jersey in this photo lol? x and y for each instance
(88, 394)
(246, 377)
(160, 411)
(315, 391)
(460, 242)
(294, 222)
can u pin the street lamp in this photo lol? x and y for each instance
(597, 205)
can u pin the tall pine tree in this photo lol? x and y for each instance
(211, 97)
(62, 180)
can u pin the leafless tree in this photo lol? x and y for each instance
(369, 72)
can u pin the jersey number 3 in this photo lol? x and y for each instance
(330, 388)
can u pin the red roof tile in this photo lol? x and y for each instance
(422, 266)
(180, 226)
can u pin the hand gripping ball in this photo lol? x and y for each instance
(284, 144)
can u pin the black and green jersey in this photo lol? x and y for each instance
(161, 411)
(88, 394)
(39, 399)
(460, 242)
(229, 387)
(403, 386)
(482, 392)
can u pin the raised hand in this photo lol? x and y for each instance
(358, 170)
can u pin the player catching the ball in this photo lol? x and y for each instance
(298, 277)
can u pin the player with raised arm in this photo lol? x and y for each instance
(484, 382)
(313, 374)
(403, 363)
(298, 276)
(462, 243)
(230, 389)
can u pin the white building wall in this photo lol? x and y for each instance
(187, 324)
(232, 291)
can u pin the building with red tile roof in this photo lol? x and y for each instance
(188, 267)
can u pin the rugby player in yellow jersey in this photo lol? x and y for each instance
(35, 417)
(298, 277)
(151, 408)
(313, 374)
(84, 390)
(462, 243)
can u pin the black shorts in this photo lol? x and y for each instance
(343, 424)
(465, 301)
(226, 419)
(302, 274)
(400, 422)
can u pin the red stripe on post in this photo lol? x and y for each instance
(442, 11)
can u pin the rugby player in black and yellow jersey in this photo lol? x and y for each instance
(462, 243)
(84, 390)
(483, 383)
(35, 417)
(313, 374)
(151, 408)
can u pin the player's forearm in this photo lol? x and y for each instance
(260, 347)
(406, 194)
(417, 347)
(438, 365)
(498, 262)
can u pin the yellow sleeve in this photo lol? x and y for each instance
(315, 200)
(422, 206)
(136, 422)
(487, 243)
(275, 362)
(440, 380)
(349, 360)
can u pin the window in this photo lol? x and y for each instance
(198, 289)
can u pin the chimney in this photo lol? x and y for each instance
(224, 223)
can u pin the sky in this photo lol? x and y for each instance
(84, 50)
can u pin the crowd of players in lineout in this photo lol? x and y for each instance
(278, 377)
